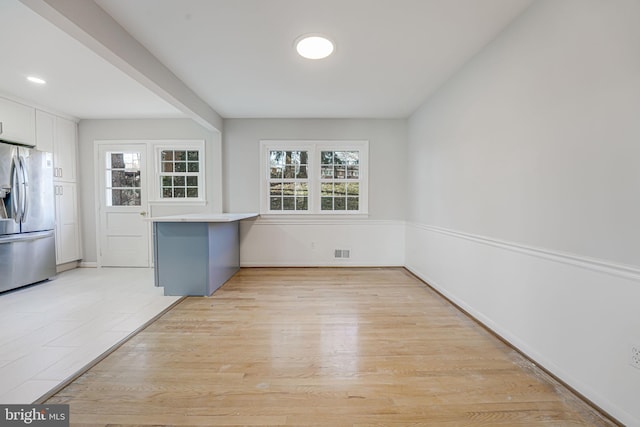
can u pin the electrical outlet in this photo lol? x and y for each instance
(635, 356)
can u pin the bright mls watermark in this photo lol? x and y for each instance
(34, 415)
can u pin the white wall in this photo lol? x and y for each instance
(525, 192)
(148, 129)
(376, 240)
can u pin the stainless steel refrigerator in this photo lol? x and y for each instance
(27, 217)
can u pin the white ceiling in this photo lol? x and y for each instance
(238, 55)
(80, 83)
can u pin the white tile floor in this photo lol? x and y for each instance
(51, 330)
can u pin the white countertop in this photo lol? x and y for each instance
(222, 217)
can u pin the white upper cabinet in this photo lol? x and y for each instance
(45, 131)
(64, 150)
(17, 122)
(58, 136)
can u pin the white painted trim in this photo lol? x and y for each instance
(595, 264)
(88, 264)
(322, 220)
(154, 148)
(314, 181)
(304, 242)
(96, 200)
(576, 267)
(100, 146)
(152, 185)
(338, 264)
(67, 266)
(173, 203)
(536, 357)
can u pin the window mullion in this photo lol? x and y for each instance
(180, 174)
(344, 173)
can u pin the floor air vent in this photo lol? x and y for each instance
(342, 253)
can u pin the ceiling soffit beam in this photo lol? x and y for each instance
(88, 23)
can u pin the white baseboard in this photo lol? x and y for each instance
(574, 316)
(67, 266)
(313, 243)
(87, 264)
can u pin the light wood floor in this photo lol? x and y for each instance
(320, 347)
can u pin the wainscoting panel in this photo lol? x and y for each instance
(321, 242)
(576, 317)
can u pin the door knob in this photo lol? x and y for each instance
(143, 213)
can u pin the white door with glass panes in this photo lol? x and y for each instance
(124, 233)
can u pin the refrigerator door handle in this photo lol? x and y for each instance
(15, 190)
(25, 188)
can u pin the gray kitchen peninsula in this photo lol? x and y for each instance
(195, 254)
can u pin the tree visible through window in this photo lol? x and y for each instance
(288, 180)
(339, 178)
(123, 179)
(320, 177)
(179, 174)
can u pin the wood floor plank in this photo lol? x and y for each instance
(320, 347)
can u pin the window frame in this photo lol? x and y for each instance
(314, 149)
(295, 181)
(108, 170)
(198, 146)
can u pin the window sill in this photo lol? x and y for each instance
(314, 217)
(182, 202)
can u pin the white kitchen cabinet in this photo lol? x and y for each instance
(59, 136)
(45, 131)
(17, 122)
(65, 150)
(67, 225)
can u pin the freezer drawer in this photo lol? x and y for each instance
(26, 258)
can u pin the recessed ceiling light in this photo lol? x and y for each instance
(314, 46)
(36, 80)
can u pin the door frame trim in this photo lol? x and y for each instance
(98, 145)
(150, 174)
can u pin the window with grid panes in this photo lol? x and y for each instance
(123, 187)
(340, 180)
(180, 174)
(288, 180)
(314, 177)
